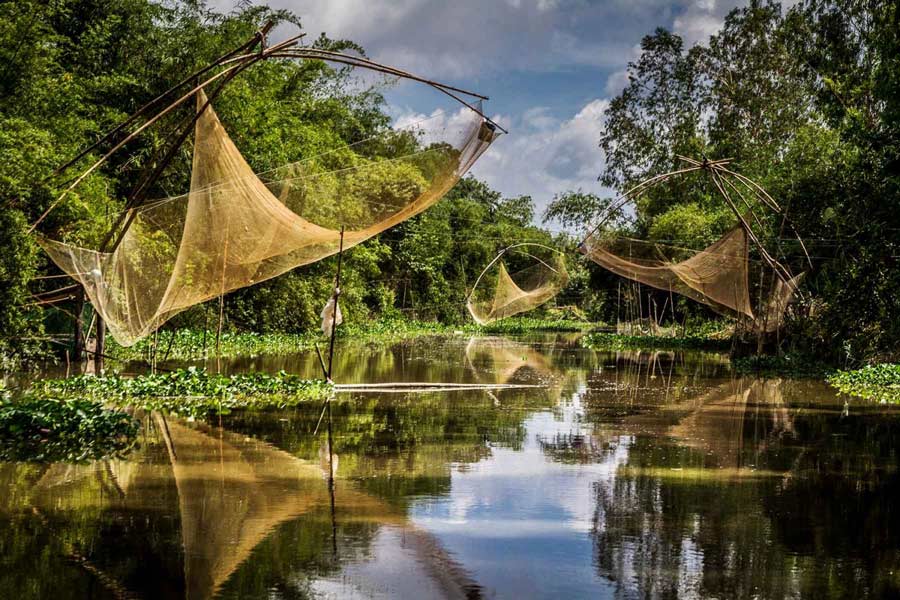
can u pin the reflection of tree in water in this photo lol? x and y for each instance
(635, 382)
(756, 497)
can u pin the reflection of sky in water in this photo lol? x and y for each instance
(390, 571)
(519, 522)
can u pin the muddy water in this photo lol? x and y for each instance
(623, 475)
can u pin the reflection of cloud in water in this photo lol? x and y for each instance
(520, 521)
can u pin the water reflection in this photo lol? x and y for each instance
(638, 474)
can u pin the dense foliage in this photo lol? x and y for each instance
(807, 103)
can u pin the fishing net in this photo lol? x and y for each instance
(503, 295)
(716, 276)
(772, 316)
(236, 228)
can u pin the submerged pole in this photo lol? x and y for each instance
(334, 548)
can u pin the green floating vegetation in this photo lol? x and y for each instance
(615, 341)
(188, 344)
(528, 324)
(790, 364)
(37, 429)
(190, 392)
(875, 382)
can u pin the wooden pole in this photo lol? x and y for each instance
(78, 352)
(336, 296)
(100, 350)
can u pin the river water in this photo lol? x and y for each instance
(619, 475)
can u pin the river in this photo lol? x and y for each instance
(613, 475)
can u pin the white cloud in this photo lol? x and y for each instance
(541, 160)
(469, 38)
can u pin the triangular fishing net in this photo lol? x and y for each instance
(500, 295)
(235, 228)
(716, 276)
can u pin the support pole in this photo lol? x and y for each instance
(335, 296)
(78, 352)
(100, 350)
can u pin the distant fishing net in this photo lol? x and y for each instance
(716, 276)
(235, 228)
(497, 294)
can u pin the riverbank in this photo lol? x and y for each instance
(188, 344)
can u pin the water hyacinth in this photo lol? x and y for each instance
(615, 341)
(69, 430)
(875, 382)
(191, 392)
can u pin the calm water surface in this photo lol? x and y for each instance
(631, 474)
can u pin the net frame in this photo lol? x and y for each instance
(671, 276)
(517, 300)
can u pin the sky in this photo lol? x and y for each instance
(550, 68)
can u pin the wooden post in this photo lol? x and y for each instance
(79, 326)
(100, 348)
(336, 296)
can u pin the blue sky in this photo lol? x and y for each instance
(549, 67)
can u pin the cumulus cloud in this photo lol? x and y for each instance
(532, 46)
(469, 38)
(545, 156)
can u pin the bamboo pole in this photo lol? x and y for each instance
(334, 309)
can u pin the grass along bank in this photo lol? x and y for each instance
(880, 383)
(616, 341)
(187, 344)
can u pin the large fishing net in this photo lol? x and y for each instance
(236, 228)
(497, 294)
(716, 276)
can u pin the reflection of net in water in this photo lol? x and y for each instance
(717, 426)
(233, 493)
(497, 360)
(235, 229)
(503, 295)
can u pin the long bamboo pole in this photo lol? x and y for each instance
(334, 309)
